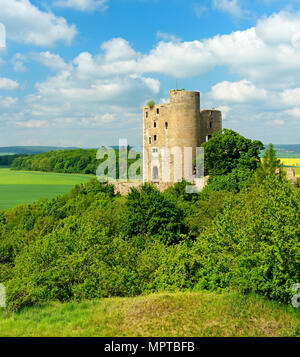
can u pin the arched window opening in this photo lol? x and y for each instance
(155, 174)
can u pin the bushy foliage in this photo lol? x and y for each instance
(151, 104)
(255, 243)
(153, 214)
(179, 193)
(228, 150)
(76, 261)
(204, 211)
(235, 181)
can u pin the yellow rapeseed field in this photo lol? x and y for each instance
(295, 163)
(291, 162)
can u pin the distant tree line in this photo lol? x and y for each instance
(80, 161)
(7, 160)
(64, 161)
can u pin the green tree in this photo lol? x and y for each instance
(235, 181)
(153, 214)
(228, 150)
(268, 164)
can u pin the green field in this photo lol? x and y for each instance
(19, 187)
(201, 314)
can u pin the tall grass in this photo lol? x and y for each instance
(166, 314)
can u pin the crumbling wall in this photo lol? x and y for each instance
(123, 188)
(290, 175)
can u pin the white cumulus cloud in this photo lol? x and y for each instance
(50, 60)
(26, 23)
(239, 92)
(8, 84)
(279, 28)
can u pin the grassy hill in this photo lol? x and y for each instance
(158, 315)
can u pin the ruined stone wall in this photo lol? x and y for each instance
(123, 188)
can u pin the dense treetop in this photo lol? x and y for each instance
(228, 150)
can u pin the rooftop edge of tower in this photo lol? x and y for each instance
(177, 95)
(210, 110)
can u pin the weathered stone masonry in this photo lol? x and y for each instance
(178, 124)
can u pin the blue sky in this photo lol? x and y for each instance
(77, 72)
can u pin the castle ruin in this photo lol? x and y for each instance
(178, 126)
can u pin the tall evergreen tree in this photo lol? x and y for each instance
(270, 164)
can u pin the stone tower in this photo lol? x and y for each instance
(173, 128)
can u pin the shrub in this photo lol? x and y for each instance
(150, 213)
(76, 261)
(255, 243)
(151, 104)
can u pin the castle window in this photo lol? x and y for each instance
(155, 137)
(155, 150)
(146, 114)
(166, 125)
(154, 124)
(157, 111)
(210, 124)
(155, 177)
(149, 139)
